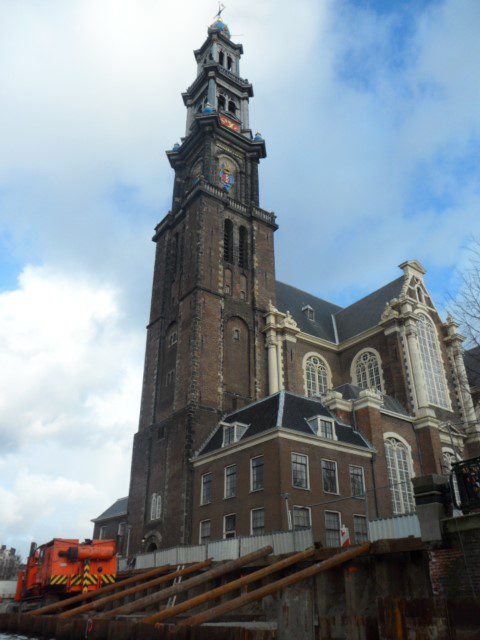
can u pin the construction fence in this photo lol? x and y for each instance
(283, 542)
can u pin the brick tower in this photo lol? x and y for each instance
(213, 280)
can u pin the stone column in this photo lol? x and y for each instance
(272, 366)
(279, 364)
(271, 344)
(417, 369)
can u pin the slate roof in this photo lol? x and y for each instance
(350, 321)
(366, 313)
(282, 410)
(351, 392)
(117, 509)
(291, 299)
(472, 365)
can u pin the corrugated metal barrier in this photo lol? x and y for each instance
(282, 542)
(396, 527)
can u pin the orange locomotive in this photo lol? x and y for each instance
(65, 567)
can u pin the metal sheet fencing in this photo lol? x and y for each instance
(396, 527)
(282, 542)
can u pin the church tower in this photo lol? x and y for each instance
(213, 280)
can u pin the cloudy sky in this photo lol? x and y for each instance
(371, 113)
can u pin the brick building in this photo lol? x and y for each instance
(248, 378)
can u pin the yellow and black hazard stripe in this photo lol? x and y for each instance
(55, 581)
(75, 580)
(86, 582)
(108, 578)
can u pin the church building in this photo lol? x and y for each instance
(265, 408)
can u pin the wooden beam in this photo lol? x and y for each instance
(258, 594)
(99, 604)
(63, 604)
(228, 587)
(216, 572)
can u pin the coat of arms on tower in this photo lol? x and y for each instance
(226, 176)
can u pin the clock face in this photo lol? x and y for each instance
(229, 124)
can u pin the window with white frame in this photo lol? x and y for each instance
(257, 522)
(332, 529)
(399, 476)
(206, 489)
(155, 506)
(329, 476)
(323, 427)
(102, 534)
(301, 518)
(316, 376)
(357, 481)
(367, 371)
(256, 473)
(432, 362)
(230, 481)
(360, 529)
(229, 525)
(300, 478)
(205, 531)
(233, 432)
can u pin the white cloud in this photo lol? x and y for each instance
(69, 395)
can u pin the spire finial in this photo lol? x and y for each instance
(221, 8)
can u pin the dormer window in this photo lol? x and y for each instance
(309, 312)
(233, 432)
(323, 427)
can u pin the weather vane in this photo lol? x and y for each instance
(221, 7)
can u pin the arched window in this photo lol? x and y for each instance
(171, 335)
(243, 248)
(232, 107)
(432, 362)
(221, 102)
(399, 476)
(367, 371)
(316, 376)
(156, 506)
(228, 241)
(243, 287)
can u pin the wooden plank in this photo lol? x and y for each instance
(228, 587)
(268, 589)
(99, 604)
(63, 604)
(216, 572)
